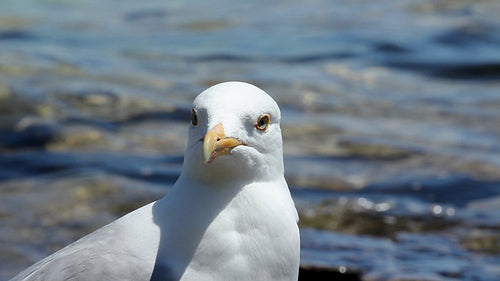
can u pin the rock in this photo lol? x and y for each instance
(318, 273)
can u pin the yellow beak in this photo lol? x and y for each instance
(215, 143)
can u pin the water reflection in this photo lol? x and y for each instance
(390, 121)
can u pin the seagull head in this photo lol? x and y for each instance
(234, 134)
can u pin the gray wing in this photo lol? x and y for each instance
(99, 256)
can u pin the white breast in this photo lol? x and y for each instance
(254, 237)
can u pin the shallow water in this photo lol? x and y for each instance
(391, 121)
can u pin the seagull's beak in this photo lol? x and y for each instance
(216, 143)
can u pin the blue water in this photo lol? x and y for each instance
(391, 121)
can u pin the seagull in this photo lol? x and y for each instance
(229, 216)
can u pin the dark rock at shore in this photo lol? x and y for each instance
(318, 273)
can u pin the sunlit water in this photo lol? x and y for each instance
(391, 121)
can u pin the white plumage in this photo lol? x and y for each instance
(229, 216)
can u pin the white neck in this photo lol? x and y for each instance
(234, 222)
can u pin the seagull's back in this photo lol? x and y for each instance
(122, 250)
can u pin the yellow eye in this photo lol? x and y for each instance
(194, 117)
(263, 122)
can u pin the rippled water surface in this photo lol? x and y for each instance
(391, 121)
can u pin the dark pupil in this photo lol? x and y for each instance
(194, 118)
(263, 122)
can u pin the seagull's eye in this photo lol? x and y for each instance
(263, 122)
(194, 117)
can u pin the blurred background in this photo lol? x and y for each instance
(391, 121)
